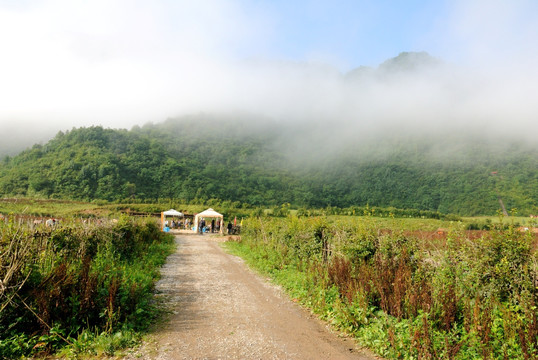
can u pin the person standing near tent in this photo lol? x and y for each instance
(213, 225)
(230, 228)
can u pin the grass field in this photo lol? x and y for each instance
(66, 209)
(36, 208)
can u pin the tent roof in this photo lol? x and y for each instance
(172, 212)
(209, 213)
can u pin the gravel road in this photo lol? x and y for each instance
(222, 310)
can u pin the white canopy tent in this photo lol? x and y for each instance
(211, 214)
(170, 212)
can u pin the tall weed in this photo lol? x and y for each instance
(406, 298)
(61, 282)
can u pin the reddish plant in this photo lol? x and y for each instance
(339, 272)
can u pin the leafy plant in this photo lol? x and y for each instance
(59, 283)
(402, 297)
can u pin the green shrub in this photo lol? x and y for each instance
(60, 282)
(401, 296)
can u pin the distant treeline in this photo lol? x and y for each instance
(268, 164)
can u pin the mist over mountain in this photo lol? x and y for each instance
(412, 93)
(19, 135)
(235, 158)
(411, 133)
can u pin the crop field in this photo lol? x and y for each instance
(30, 208)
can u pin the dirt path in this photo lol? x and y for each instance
(222, 310)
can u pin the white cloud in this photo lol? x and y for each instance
(120, 63)
(114, 62)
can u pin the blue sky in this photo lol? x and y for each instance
(123, 62)
(354, 33)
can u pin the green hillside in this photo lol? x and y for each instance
(263, 162)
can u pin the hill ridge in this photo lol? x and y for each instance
(241, 159)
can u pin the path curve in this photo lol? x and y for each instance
(222, 310)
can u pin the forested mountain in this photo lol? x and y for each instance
(266, 162)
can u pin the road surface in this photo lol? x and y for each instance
(222, 310)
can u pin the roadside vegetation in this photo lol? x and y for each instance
(407, 283)
(403, 292)
(79, 287)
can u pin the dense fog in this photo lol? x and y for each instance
(82, 64)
